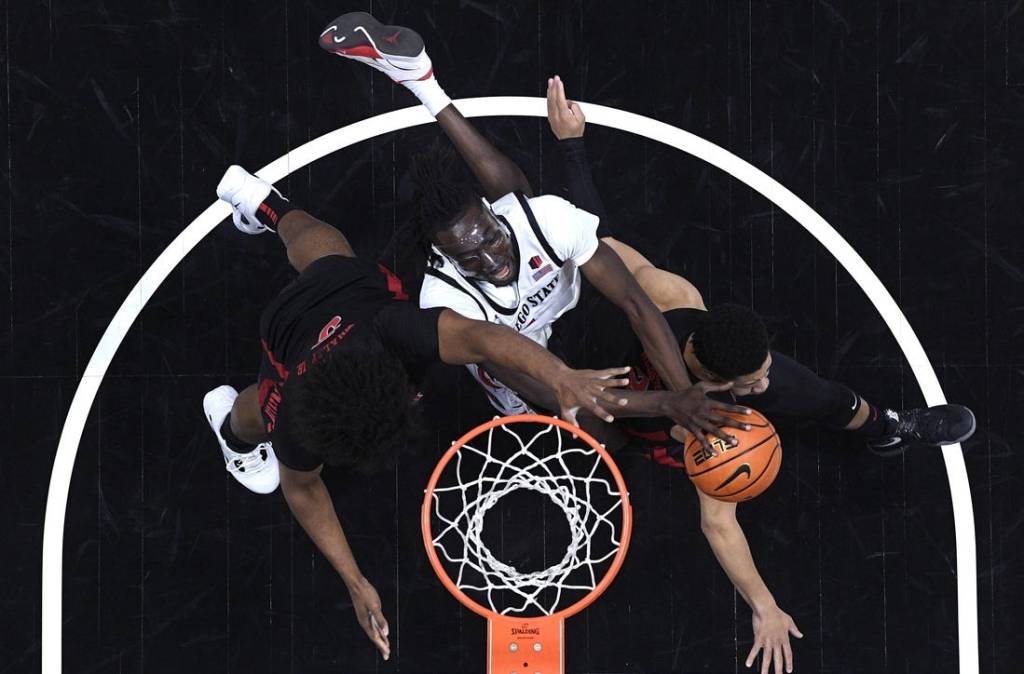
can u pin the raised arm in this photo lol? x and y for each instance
(310, 502)
(610, 276)
(772, 625)
(462, 340)
(568, 122)
(498, 174)
(629, 404)
(694, 412)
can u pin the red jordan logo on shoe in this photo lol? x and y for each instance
(394, 38)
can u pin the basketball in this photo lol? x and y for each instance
(740, 472)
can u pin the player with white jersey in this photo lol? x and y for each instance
(552, 240)
(505, 256)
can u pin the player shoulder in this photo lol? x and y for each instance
(435, 285)
(542, 206)
(506, 204)
(442, 292)
(549, 204)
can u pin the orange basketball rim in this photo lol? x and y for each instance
(574, 475)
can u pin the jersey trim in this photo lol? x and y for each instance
(536, 229)
(439, 275)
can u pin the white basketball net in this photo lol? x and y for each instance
(593, 533)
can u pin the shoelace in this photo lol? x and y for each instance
(250, 462)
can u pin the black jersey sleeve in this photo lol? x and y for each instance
(409, 332)
(683, 322)
(582, 191)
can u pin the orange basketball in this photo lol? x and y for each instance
(740, 472)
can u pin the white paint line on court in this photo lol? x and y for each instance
(504, 106)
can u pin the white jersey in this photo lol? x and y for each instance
(553, 239)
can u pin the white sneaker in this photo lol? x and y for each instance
(256, 470)
(245, 192)
(396, 51)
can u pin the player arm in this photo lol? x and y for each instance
(772, 625)
(498, 174)
(567, 124)
(725, 536)
(307, 239)
(462, 341)
(311, 504)
(629, 404)
(609, 275)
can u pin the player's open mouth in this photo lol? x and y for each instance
(503, 273)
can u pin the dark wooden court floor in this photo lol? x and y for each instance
(898, 122)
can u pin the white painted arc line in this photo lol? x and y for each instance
(511, 106)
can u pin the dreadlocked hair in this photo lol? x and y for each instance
(353, 409)
(731, 340)
(442, 191)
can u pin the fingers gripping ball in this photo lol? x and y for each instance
(739, 472)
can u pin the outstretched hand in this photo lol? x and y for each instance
(699, 415)
(586, 389)
(772, 630)
(366, 604)
(565, 117)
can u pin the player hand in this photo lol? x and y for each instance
(693, 411)
(367, 607)
(565, 117)
(586, 388)
(771, 633)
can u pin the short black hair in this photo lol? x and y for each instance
(731, 340)
(354, 409)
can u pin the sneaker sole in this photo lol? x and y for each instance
(378, 40)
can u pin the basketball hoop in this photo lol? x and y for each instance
(526, 610)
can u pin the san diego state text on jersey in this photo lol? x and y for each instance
(534, 300)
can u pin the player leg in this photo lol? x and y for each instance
(399, 53)
(235, 418)
(797, 392)
(257, 207)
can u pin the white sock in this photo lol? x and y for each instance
(430, 93)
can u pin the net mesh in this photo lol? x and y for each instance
(572, 475)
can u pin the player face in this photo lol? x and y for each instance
(480, 246)
(754, 383)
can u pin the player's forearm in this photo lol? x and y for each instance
(582, 191)
(508, 349)
(637, 403)
(733, 553)
(527, 387)
(659, 343)
(314, 510)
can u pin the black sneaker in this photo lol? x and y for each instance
(939, 425)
